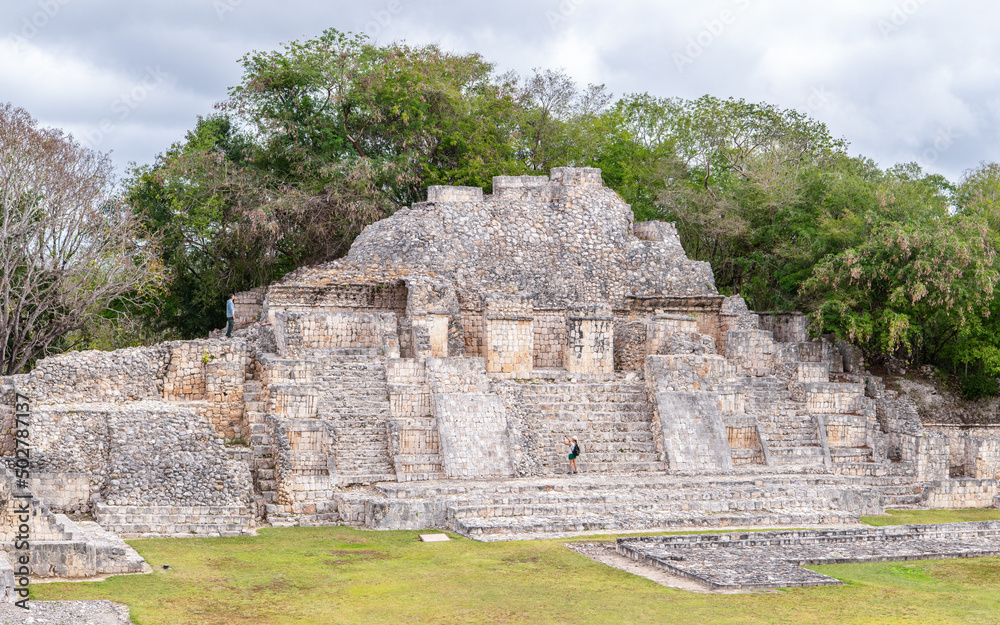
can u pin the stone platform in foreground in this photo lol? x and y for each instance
(565, 506)
(748, 560)
(66, 613)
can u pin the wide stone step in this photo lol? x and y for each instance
(590, 467)
(792, 456)
(138, 521)
(555, 526)
(557, 430)
(348, 479)
(610, 445)
(576, 509)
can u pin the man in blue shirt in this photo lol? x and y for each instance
(230, 316)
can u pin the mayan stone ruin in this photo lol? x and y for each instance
(428, 379)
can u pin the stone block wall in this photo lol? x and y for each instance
(831, 398)
(225, 383)
(982, 458)
(322, 296)
(549, 339)
(589, 340)
(66, 492)
(430, 335)
(630, 342)
(297, 334)
(124, 375)
(961, 493)
(310, 443)
(930, 455)
(522, 188)
(662, 327)
(179, 461)
(414, 440)
(972, 448)
(145, 453)
(811, 372)
(454, 194)
(847, 430)
(785, 326)
(745, 443)
(70, 448)
(189, 363)
(294, 401)
(509, 335)
(691, 372)
(695, 437)
(409, 395)
(752, 351)
(249, 304)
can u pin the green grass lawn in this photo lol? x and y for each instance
(342, 575)
(916, 517)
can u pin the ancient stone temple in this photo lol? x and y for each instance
(429, 378)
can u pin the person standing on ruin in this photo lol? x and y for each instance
(230, 315)
(574, 451)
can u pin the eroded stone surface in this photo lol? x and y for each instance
(776, 559)
(66, 613)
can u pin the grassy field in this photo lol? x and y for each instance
(341, 575)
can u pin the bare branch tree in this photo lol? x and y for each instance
(68, 248)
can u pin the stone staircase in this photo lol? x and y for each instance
(420, 457)
(414, 438)
(262, 465)
(613, 422)
(791, 433)
(550, 507)
(356, 404)
(898, 494)
(61, 547)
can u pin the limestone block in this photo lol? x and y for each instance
(454, 194)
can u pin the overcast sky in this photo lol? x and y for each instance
(901, 80)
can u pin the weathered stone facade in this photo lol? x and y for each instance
(443, 363)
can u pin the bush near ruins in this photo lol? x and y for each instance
(70, 253)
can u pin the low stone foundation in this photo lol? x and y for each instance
(146, 521)
(741, 560)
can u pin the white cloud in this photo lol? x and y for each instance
(889, 75)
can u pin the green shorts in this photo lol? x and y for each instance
(572, 456)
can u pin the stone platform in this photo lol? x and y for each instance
(528, 508)
(157, 521)
(752, 560)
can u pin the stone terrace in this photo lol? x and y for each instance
(748, 560)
